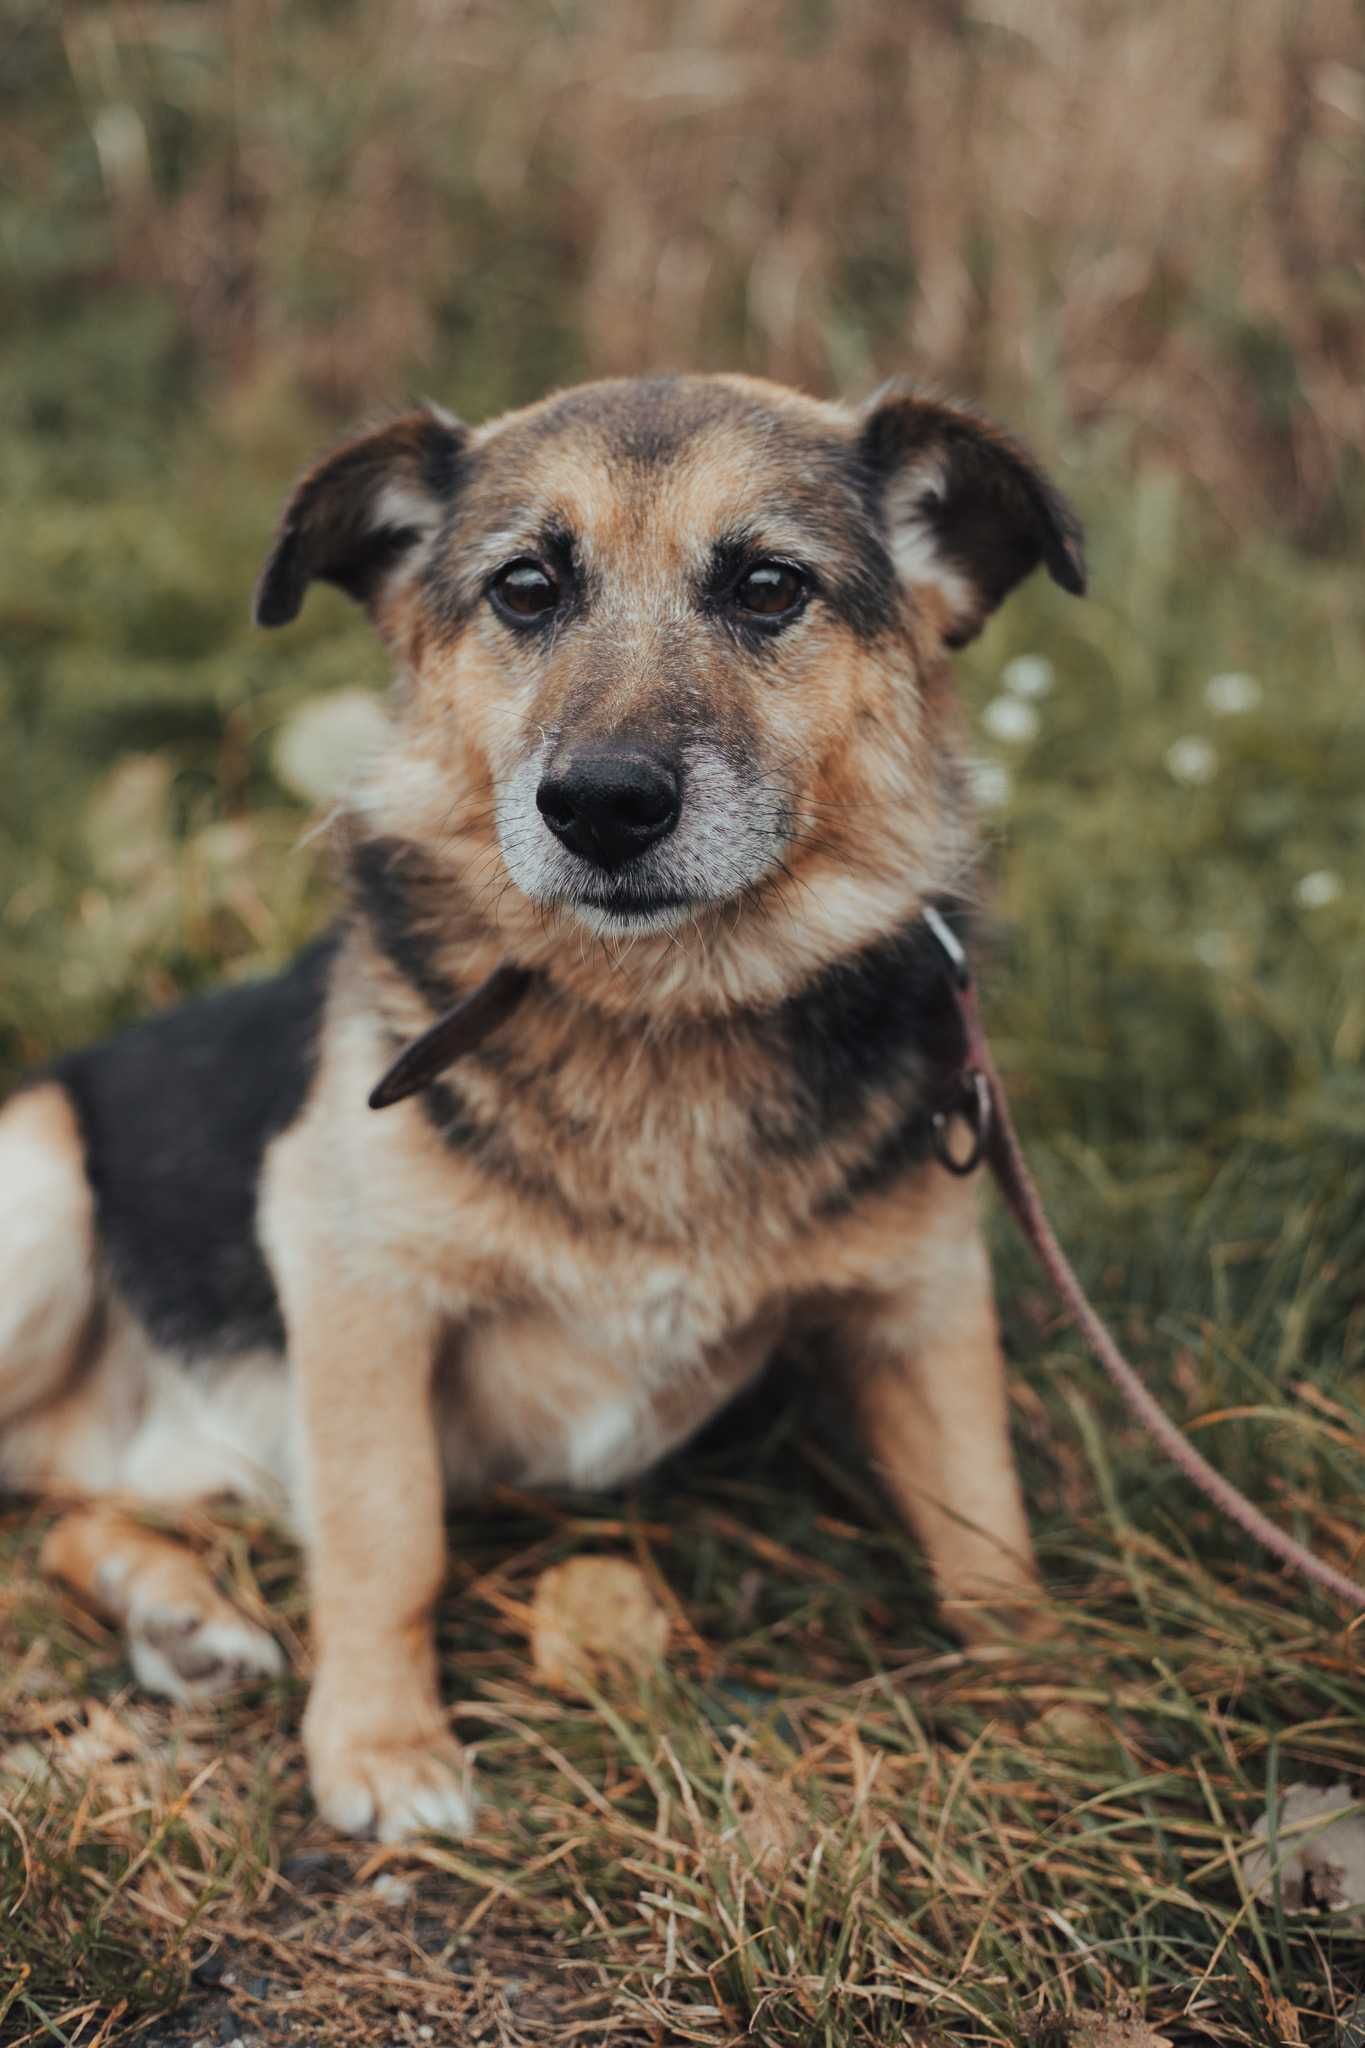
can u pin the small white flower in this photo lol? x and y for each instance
(1028, 675)
(1232, 694)
(1191, 760)
(1010, 719)
(1213, 949)
(1320, 888)
(991, 782)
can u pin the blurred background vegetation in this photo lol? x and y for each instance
(1132, 228)
(228, 228)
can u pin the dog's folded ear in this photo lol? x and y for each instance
(967, 510)
(360, 517)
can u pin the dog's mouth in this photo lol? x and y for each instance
(630, 908)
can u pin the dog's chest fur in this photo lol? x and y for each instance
(614, 1202)
(763, 1124)
(631, 1213)
(642, 1284)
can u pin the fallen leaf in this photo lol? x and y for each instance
(1074, 1725)
(594, 1613)
(771, 1821)
(1284, 2017)
(1320, 1850)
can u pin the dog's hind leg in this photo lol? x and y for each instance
(47, 1252)
(185, 1640)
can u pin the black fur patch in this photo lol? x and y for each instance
(328, 529)
(870, 1023)
(883, 1023)
(176, 1115)
(386, 876)
(908, 1145)
(994, 514)
(451, 1118)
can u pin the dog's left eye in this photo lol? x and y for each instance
(770, 590)
(525, 589)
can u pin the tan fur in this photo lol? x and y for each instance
(929, 1387)
(186, 1641)
(367, 1328)
(47, 1230)
(645, 1218)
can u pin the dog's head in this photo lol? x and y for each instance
(672, 650)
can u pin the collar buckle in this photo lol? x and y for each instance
(949, 945)
(973, 1108)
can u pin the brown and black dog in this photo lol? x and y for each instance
(673, 732)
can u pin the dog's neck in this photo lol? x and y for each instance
(439, 940)
(449, 984)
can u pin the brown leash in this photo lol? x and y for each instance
(975, 1096)
(971, 1095)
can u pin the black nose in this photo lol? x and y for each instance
(611, 804)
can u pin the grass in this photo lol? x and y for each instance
(820, 1822)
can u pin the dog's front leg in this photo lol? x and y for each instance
(379, 1752)
(928, 1384)
(363, 1330)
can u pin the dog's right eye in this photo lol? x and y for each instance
(524, 590)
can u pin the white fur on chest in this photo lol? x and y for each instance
(659, 1324)
(591, 1398)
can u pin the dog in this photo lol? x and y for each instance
(672, 733)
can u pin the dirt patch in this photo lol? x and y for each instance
(375, 1965)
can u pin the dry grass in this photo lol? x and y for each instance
(818, 1825)
(1151, 211)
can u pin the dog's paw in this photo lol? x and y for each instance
(194, 1653)
(394, 1790)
